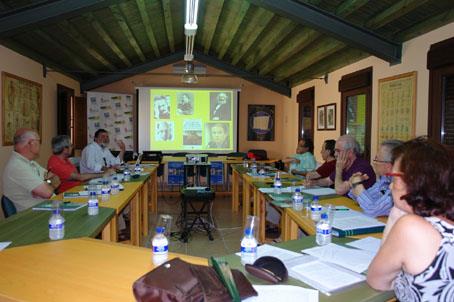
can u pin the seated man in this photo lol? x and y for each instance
(60, 165)
(377, 200)
(329, 166)
(303, 161)
(25, 182)
(348, 163)
(96, 157)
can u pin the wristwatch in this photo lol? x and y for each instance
(49, 181)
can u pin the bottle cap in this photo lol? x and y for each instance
(324, 216)
(297, 190)
(315, 197)
(92, 193)
(248, 231)
(160, 229)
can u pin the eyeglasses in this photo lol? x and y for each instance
(395, 174)
(376, 160)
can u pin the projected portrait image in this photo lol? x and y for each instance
(164, 131)
(220, 106)
(162, 107)
(217, 135)
(185, 103)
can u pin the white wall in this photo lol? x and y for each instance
(414, 58)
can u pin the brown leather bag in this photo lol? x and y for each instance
(177, 280)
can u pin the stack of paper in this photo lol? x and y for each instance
(349, 222)
(319, 191)
(273, 293)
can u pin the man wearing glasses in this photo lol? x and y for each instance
(25, 182)
(348, 162)
(376, 200)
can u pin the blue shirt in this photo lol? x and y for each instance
(307, 162)
(377, 200)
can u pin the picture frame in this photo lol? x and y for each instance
(330, 116)
(21, 106)
(261, 120)
(321, 117)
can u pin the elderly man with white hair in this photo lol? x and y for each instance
(348, 162)
(25, 182)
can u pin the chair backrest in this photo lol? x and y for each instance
(237, 154)
(75, 161)
(8, 207)
(152, 156)
(260, 154)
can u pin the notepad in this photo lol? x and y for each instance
(352, 259)
(64, 206)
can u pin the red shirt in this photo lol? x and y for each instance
(63, 168)
(327, 168)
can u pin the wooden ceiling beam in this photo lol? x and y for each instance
(281, 28)
(230, 32)
(426, 26)
(211, 22)
(107, 39)
(71, 55)
(85, 44)
(126, 73)
(168, 23)
(147, 25)
(336, 27)
(242, 73)
(317, 51)
(294, 45)
(394, 12)
(337, 60)
(259, 22)
(350, 6)
(117, 13)
(53, 11)
(45, 61)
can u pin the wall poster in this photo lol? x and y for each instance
(21, 106)
(112, 112)
(260, 123)
(397, 107)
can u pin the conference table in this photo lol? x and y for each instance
(139, 194)
(86, 269)
(82, 269)
(31, 226)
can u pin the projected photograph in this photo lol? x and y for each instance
(185, 103)
(164, 131)
(220, 106)
(161, 107)
(217, 135)
(192, 132)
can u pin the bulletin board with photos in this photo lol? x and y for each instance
(397, 107)
(21, 106)
(112, 112)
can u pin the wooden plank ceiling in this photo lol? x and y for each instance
(277, 44)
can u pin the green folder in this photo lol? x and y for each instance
(225, 274)
(64, 206)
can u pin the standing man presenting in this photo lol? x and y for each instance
(97, 158)
(25, 182)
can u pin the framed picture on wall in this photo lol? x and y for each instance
(21, 106)
(331, 116)
(260, 123)
(321, 121)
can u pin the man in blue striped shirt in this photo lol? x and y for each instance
(376, 200)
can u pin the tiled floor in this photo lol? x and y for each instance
(227, 233)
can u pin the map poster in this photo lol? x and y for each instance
(397, 107)
(21, 106)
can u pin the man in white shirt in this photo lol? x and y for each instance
(97, 158)
(25, 182)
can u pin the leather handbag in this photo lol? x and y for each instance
(177, 280)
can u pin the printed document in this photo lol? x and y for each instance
(273, 293)
(370, 244)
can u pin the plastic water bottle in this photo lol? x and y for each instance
(127, 175)
(297, 200)
(248, 247)
(105, 191)
(137, 169)
(316, 209)
(160, 246)
(115, 186)
(277, 184)
(245, 163)
(323, 228)
(93, 208)
(254, 167)
(56, 225)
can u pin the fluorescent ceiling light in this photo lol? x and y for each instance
(190, 26)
